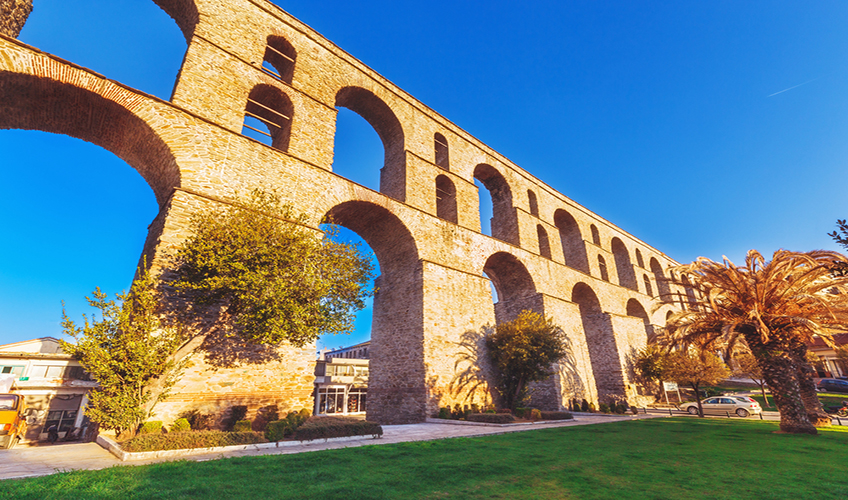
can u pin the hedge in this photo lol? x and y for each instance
(330, 427)
(491, 418)
(556, 415)
(191, 439)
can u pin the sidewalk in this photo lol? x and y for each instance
(26, 461)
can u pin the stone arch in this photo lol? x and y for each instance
(280, 55)
(504, 223)
(623, 266)
(31, 103)
(384, 121)
(184, 13)
(533, 203)
(397, 390)
(636, 310)
(446, 199)
(663, 289)
(573, 246)
(514, 286)
(600, 338)
(272, 108)
(441, 151)
(544, 244)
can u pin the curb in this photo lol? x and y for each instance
(124, 456)
(445, 421)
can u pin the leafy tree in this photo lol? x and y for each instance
(749, 367)
(272, 277)
(650, 363)
(773, 308)
(124, 351)
(524, 350)
(695, 370)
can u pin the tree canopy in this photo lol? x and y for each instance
(775, 308)
(524, 350)
(272, 276)
(695, 369)
(124, 351)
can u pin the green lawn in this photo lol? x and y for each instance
(659, 458)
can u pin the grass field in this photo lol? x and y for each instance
(656, 458)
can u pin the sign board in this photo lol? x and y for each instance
(670, 386)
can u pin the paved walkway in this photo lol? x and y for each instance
(29, 461)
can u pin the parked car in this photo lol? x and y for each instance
(740, 405)
(833, 385)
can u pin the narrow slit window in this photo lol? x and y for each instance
(544, 244)
(446, 199)
(533, 202)
(602, 266)
(648, 289)
(639, 261)
(596, 236)
(442, 152)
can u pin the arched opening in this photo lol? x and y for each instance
(544, 244)
(639, 261)
(136, 44)
(279, 58)
(396, 391)
(514, 286)
(690, 294)
(600, 339)
(626, 275)
(602, 267)
(504, 225)
(573, 247)
(446, 199)
(268, 116)
(383, 120)
(662, 284)
(358, 150)
(635, 310)
(533, 202)
(649, 290)
(596, 236)
(442, 153)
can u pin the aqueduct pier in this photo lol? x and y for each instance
(546, 252)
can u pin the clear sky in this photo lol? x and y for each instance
(705, 129)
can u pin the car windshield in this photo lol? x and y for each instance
(8, 401)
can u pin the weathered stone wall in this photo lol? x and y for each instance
(434, 299)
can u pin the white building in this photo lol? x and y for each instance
(52, 382)
(341, 383)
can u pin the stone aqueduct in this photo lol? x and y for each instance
(547, 253)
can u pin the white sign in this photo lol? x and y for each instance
(670, 386)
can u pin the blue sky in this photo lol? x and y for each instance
(667, 119)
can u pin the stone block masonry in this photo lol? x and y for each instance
(250, 58)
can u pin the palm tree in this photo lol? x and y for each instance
(775, 308)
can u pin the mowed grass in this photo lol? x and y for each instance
(657, 458)
(827, 399)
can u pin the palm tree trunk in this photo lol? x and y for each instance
(781, 376)
(806, 379)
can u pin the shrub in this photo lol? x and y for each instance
(264, 416)
(191, 439)
(237, 413)
(277, 430)
(475, 408)
(556, 415)
(604, 407)
(585, 406)
(180, 425)
(575, 405)
(330, 427)
(490, 410)
(634, 410)
(445, 413)
(535, 414)
(591, 407)
(458, 413)
(151, 427)
(522, 412)
(620, 408)
(505, 410)
(491, 418)
(242, 426)
(196, 420)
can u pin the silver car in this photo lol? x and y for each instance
(740, 405)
